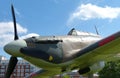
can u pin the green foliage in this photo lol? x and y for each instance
(111, 70)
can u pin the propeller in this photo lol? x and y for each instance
(14, 21)
(13, 60)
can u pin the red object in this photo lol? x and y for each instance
(106, 40)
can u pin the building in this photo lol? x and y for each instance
(22, 69)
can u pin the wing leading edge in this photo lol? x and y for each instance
(41, 73)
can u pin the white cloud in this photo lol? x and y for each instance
(7, 27)
(90, 11)
(29, 35)
(7, 32)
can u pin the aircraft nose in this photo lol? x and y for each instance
(13, 48)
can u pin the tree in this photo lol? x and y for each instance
(111, 70)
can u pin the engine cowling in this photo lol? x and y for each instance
(94, 68)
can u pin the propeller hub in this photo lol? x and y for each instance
(13, 48)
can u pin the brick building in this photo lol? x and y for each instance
(21, 70)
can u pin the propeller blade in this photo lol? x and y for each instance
(12, 63)
(14, 21)
(13, 60)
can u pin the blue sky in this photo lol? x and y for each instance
(57, 17)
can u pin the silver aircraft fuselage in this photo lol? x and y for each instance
(51, 52)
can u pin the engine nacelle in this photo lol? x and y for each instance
(94, 68)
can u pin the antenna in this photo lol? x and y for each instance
(96, 30)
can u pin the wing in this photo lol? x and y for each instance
(103, 50)
(40, 74)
